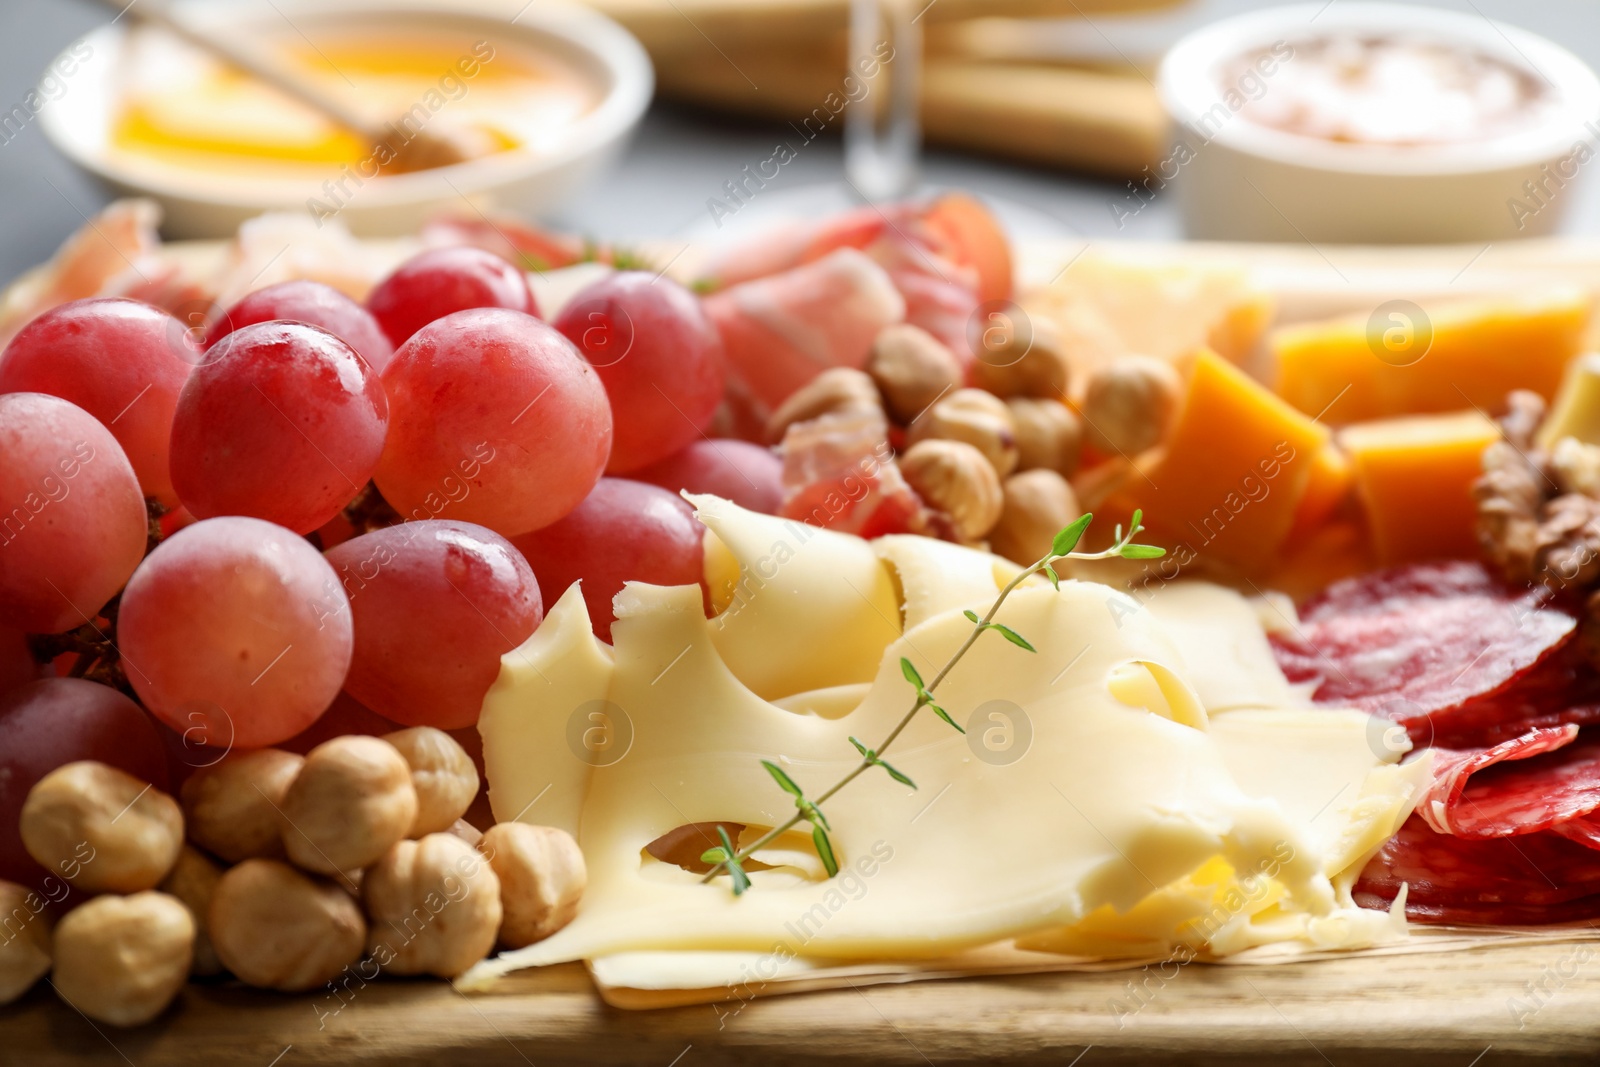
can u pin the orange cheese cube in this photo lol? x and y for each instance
(1414, 477)
(1236, 466)
(1404, 360)
(1327, 486)
(1330, 553)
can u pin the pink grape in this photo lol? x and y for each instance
(624, 531)
(442, 281)
(121, 361)
(316, 305)
(237, 632)
(283, 422)
(747, 474)
(346, 716)
(495, 419)
(659, 357)
(72, 519)
(56, 721)
(436, 604)
(17, 665)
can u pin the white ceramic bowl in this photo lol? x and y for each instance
(204, 204)
(1252, 182)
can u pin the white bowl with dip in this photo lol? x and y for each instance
(553, 97)
(1374, 123)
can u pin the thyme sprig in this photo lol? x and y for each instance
(726, 858)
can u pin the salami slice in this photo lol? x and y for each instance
(1521, 786)
(1528, 880)
(1585, 831)
(1420, 643)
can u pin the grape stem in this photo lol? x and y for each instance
(923, 698)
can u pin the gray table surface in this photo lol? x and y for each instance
(680, 158)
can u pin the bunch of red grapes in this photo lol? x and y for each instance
(357, 500)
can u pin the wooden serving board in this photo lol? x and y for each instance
(1456, 1009)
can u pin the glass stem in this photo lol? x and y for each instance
(883, 137)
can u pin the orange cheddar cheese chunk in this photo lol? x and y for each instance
(1414, 477)
(1327, 486)
(1406, 360)
(1236, 466)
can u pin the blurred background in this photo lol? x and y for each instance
(1047, 117)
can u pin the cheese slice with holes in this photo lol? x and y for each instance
(1093, 801)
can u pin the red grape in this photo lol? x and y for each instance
(347, 716)
(659, 357)
(235, 631)
(121, 361)
(624, 531)
(316, 305)
(442, 281)
(72, 520)
(436, 604)
(17, 665)
(48, 723)
(747, 474)
(495, 420)
(283, 422)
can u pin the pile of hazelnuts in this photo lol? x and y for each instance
(284, 871)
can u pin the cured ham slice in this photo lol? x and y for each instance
(781, 331)
(1419, 644)
(839, 472)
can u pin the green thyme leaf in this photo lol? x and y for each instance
(972, 616)
(866, 753)
(1142, 552)
(714, 856)
(945, 715)
(741, 881)
(824, 850)
(1134, 525)
(704, 286)
(784, 781)
(812, 813)
(896, 775)
(1011, 635)
(911, 673)
(1050, 573)
(1068, 538)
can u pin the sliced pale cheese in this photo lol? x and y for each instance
(1115, 790)
(1224, 650)
(812, 608)
(545, 721)
(936, 576)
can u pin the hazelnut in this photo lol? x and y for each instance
(956, 479)
(234, 807)
(442, 774)
(349, 803)
(977, 418)
(103, 830)
(1129, 403)
(434, 905)
(1030, 362)
(192, 880)
(25, 928)
(121, 960)
(276, 928)
(835, 391)
(912, 369)
(542, 879)
(1038, 503)
(1049, 434)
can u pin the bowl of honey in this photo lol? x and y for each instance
(539, 100)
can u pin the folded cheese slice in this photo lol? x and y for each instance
(1091, 784)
